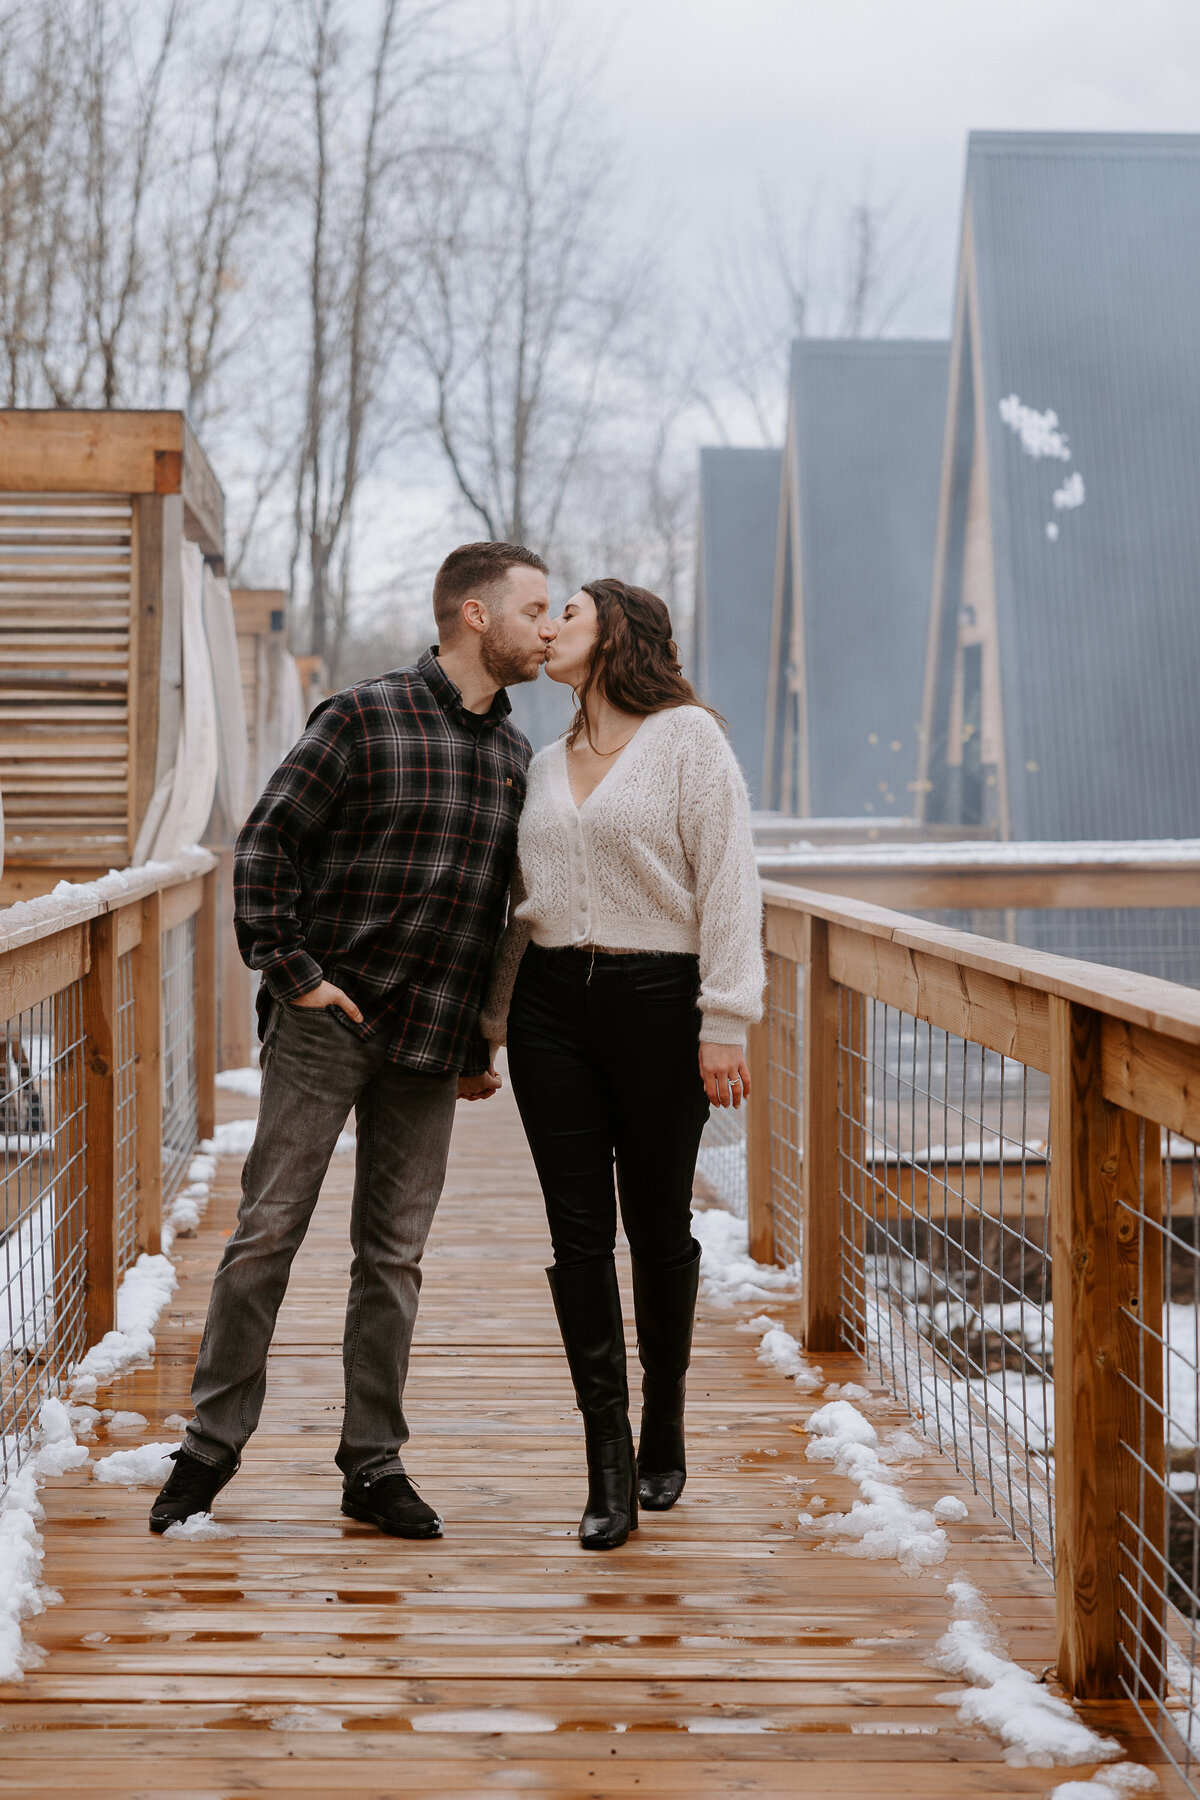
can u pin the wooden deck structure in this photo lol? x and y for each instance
(94, 507)
(720, 1652)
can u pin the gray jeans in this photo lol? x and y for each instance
(313, 1072)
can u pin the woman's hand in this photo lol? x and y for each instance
(724, 1074)
(479, 1087)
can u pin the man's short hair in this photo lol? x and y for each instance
(474, 569)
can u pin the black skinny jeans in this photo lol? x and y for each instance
(603, 1055)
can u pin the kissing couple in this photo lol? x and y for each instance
(372, 884)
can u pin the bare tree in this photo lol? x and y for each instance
(802, 268)
(34, 180)
(226, 182)
(522, 306)
(359, 144)
(99, 268)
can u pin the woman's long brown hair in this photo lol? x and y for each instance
(634, 661)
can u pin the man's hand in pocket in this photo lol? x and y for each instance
(325, 994)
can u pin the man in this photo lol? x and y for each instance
(370, 888)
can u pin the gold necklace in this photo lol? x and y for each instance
(619, 748)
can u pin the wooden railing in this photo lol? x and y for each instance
(108, 991)
(984, 1159)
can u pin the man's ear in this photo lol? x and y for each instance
(475, 615)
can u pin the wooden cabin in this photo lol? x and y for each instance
(858, 513)
(95, 508)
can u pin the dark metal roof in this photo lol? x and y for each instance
(1087, 248)
(868, 420)
(739, 514)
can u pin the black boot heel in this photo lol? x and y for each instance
(661, 1463)
(612, 1503)
(665, 1307)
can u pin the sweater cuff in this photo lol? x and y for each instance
(722, 1028)
(477, 1057)
(293, 975)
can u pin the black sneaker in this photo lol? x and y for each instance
(191, 1487)
(391, 1502)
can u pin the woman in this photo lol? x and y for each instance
(636, 925)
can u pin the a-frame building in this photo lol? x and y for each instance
(735, 572)
(1062, 691)
(858, 517)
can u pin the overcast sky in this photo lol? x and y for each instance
(713, 94)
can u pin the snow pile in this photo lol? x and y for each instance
(56, 1450)
(123, 1421)
(1109, 1784)
(1070, 494)
(22, 1595)
(881, 1524)
(949, 1510)
(779, 1350)
(846, 1390)
(201, 1528)
(140, 1298)
(1038, 431)
(83, 1420)
(147, 1466)
(187, 1208)
(1034, 1725)
(729, 1273)
(241, 1081)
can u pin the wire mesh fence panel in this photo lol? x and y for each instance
(43, 1120)
(785, 1035)
(1159, 1551)
(178, 1054)
(722, 1159)
(126, 1103)
(944, 1160)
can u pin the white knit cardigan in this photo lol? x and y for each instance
(658, 857)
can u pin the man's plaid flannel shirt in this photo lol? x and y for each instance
(378, 858)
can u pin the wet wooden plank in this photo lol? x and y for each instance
(720, 1651)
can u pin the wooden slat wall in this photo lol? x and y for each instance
(65, 586)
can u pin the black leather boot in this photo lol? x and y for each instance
(664, 1304)
(588, 1303)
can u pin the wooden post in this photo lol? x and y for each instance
(821, 1210)
(233, 1050)
(760, 1213)
(1094, 1165)
(147, 1074)
(205, 1008)
(100, 1151)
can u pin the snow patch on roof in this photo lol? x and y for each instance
(1038, 431)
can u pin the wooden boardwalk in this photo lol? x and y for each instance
(718, 1653)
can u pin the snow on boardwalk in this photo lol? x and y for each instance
(724, 1649)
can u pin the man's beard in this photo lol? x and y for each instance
(504, 661)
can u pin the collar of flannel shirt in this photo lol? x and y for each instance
(449, 698)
